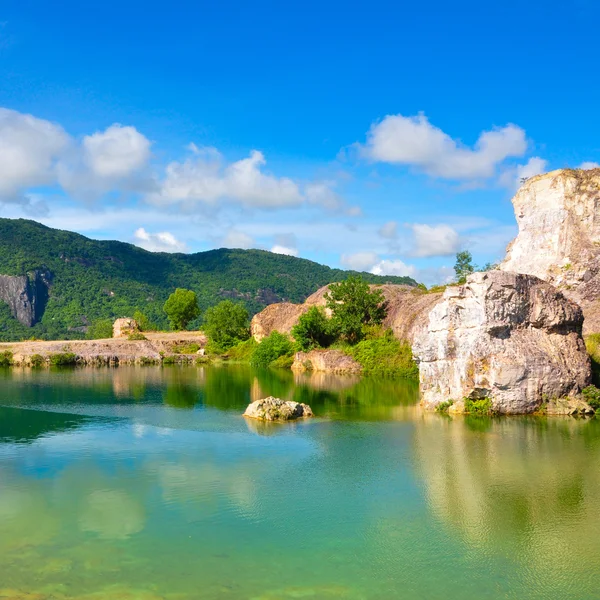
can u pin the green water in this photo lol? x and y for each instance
(146, 483)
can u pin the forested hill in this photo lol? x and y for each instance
(90, 279)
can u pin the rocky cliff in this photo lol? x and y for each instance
(26, 295)
(558, 215)
(512, 338)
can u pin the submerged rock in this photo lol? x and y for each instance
(276, 409)
(511, 338)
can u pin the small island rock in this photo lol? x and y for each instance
(276, 409)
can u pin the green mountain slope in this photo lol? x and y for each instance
(93, 279)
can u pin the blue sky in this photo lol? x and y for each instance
(377, 136)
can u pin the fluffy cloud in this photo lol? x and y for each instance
(29, 149)
(158, 242)
(116, 152)
(277, 249)
(589, 165)
(393, 267)
(205, 179)
(513, 178)
(361, 261)
(435, 240)
(416, 142)
(238, 239)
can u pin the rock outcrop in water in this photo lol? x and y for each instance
(511, 338)
(558, 215)
(26, 295)
(275, 409)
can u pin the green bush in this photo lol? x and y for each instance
(314, 330)
(271, 348)
(100, 330)
(181, 307)
(443, 407)
(190, 348)
(353, 305)
(283, 362)
(226, 325)
(384, 355)
(244, 350)
(592, 344)
(37, 360)
(591, 394)
(137, 336)
(63, 359)
(143, 321)
(481, 407)
(169, 360)
(147, 361)
(6, 358)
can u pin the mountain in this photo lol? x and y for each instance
(55, 283)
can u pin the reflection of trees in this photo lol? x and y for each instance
(180, 391)
(526, 485)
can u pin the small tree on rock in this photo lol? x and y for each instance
(181, 308)
(226, 324)
(463, 266)
(353, 305)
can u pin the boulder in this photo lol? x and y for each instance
(509, 337)
(559, 236)
(326, 361)
(124, 327)
(276, 409)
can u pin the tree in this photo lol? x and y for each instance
(313, 330)
(353, 305)
(226, 324)
(463, 266)
(181, 308)
(143, 321)
(271, 348)
(100, 330)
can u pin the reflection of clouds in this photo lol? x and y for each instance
(511, 483)
(112, 514)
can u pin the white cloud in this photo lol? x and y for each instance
(29, 149)
(393, 267)
(515, 177)
(116, 152)
(204, 179)
(158, 242)
(415, 141)
(389, 230)
(586, 166)
(238, 239)
(435, 240)
(360, 261)
(277, 249)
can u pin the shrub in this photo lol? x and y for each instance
(480, 407)
(169, 360)
(243, 350)
(353, 304)
(202, 360)
(137, 336)
(6, 358)
(226, 324)
(271, 348)
(147, 360)
(314, 330)
(383, 354)
(592, 344)
(181, 308)
(591, 395)
(37, 360)
(443, 407)
(100, 330)
(143, 321)
(283, 362)
(63, 359)
(190, 348)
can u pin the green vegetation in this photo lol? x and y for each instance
(37, 361)
(353, 305)
(143, 321)
(190, 348)
(100, 330)
(95, 280)
(592, 344)
(226, 325)
(382, 354)
(481, 407)
(63, 359)
(314, 330)
(136, 336)
(243, 351)
(6, 358)
(443, 407)
(463, 266)
(181, 308)
(591, 394)
(271, 348)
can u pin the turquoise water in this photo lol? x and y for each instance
(147, 483)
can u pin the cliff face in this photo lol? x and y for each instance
(558, 215)
(26, 295)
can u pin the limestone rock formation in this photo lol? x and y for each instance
(26, 295)
(509, 337)
(407, 310)
(326, 361)
(559, 236)
(124, 327)
(275, 409)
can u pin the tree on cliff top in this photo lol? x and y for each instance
(463, 266)
(353, 305)
(226, 324)
(181, 308)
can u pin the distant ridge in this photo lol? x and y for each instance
(79, 280)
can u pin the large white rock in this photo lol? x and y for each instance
(512, 338)
(276, 409)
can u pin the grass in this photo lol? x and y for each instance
(63, 359)
(190, 348)
(137, 336)
(481, 408)
(243, 351)
(443, 407)
(6, 358)
(592, 344)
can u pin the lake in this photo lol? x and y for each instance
(147, 483)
